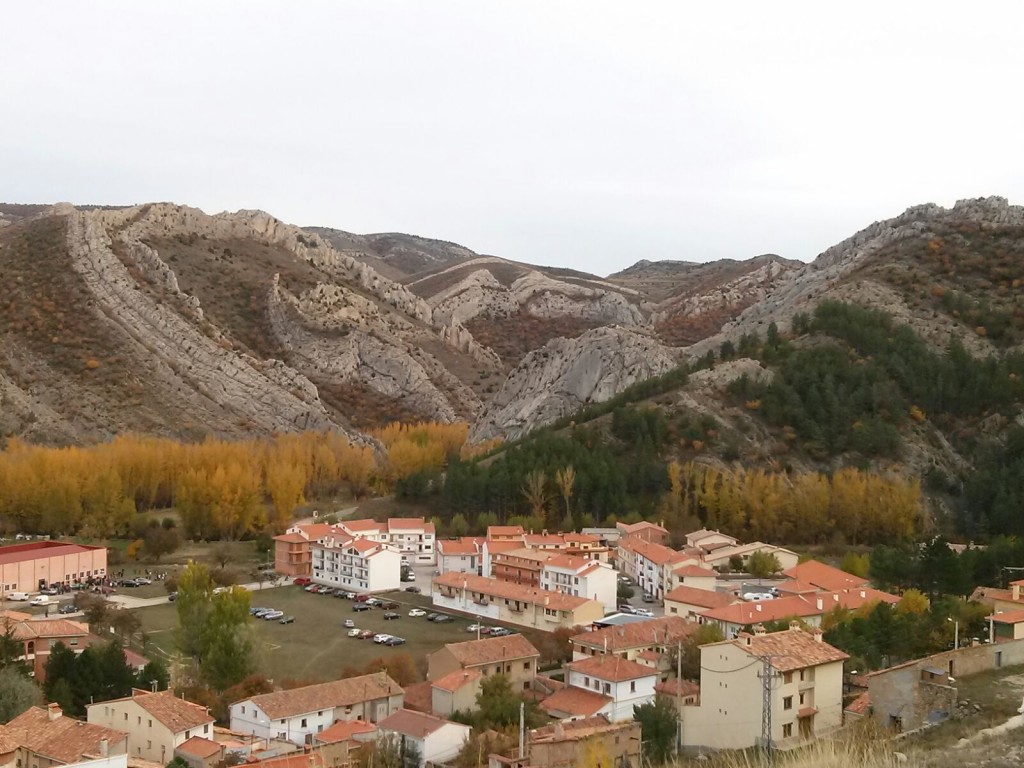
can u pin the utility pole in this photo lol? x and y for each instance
(679, 700)
(766, 707)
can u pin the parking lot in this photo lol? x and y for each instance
(316, 646)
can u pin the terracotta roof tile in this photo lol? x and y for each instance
(49, 628)
(677, 687)
(613, 668)
(488, 650)
(496, 588)
(1008, 617)
(704, 533)
(409, 524)
(504, 530)
(658, 554)
(694, 570)
(577, 730)
(456, 680)
(574, 701)
(414, 724)
(702, 598)
(8, 743)
(200, 747)
(643, 525)
(312, 698)
(790, 649)
(362, 526)
(824, 576)
(419, 696)
(467, 545)
(291, 538)
(860, 705)
(19, 553)
(765, 610)
(666, 630)
(177, 714)
(345, 731)
(63, 738)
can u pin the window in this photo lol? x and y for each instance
(801, 674)
(126, 716)
(243, 710)
(150, 723)
(149, 745)
(526, 665)
(787, 678)
(586, 682)
(787, 730)
(801, 699)
(787, 702)
(607, 688)
(632, 686)
(140, 719)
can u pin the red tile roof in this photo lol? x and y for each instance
(1008, 617)
(176, 714)
(796, 587)
(414, 724)
(577, 730)
(790, 649)
(658, 554)
(200, 747)
(45, 628)
(460, 678)
(764, 610)
(62, 739)
(860, 705)
(694, 570)
(557, 601)
(362, 526)
(338, 693)
(666, 630)
(824, 576)
(8, 743)
(677, 687)
(467, 545)
(641, 526)
(504, 530)
(345, 731)
(613, 668)
(20, 553)
(488, 650)
(410, 524)
(574, 701)
(291, 538)
(702, 598)
(419, 696)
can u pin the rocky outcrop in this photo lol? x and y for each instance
(567, 374)
(271, 397)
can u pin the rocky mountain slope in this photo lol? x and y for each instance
(164, 319)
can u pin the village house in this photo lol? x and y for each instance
(616, 683)
(574, 575)
(823, 577)
(293, 553)
(36, 637)
(561, 744)
(156, 722)
(433, 738)
(722, 558)
(31, 567)
(806, 691)
(298, 714)
(456, 670)
(199, 752)
(644, 530)
(460, 555)
(1002, 600)
(1006, 625)
(513, 603)
(691, 602)
(650, 564)
(413, 537)
(628, 641)
(710, 540)
(694, 576)
(41, 737)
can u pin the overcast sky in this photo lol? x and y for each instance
(581, 134)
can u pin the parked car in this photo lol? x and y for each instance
(380, 638)
(648, 597)
(17, 596)
(475, 627)
(301, 581)
(51, 591)
(417, 612)
(288, 620)
(172, 597)
(272, 615)
(389, 615)
(362, 598)
(355, 632)
(349, 623)
(626, 608)
(375, 602)
(625, 580)
(487, 630)
(128, 583)
(443, 618)
(67, 608)
(393, 641)
(414, 590)
(432, 616)
(645, 612)
(389, 605)
(411, 576)
(359, 607)
(366, 634)
(142, 581)
(312, 587)
(40, 600)
(262, 612)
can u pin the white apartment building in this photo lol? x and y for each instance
(651, 565)
(358, 564)
(624, 683)
(806, 691)
(413, 537)
(296, 715)
(576, 576)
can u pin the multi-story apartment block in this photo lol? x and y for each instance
(651, 564)
(806, 690)
(577, 576)
(629, 641)
(156, 722)
(616, 684)
(462, 555)
(358, 564)
(413, 537)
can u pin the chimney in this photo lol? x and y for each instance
(821, 604)
(794, 625)
(559, 730)
(819, 636)
(758, 630)
(54, 712)
(757, 607)
(863, 594)
(1016, 591)
(104, 747)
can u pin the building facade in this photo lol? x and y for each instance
(156, 723)
(40, 564)
(357, 564)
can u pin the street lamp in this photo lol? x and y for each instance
(956, 632)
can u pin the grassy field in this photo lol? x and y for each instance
(316, 646)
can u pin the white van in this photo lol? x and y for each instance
(40, 600)
(17, 595)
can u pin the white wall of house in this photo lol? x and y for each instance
(600, 583)
(458, 563)
(345, 566)
(443, 744)
(148, 738)
(247, 717)
(417, 545)
(625, 694)
(112, 761)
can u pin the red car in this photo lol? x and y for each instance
(302, 581)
